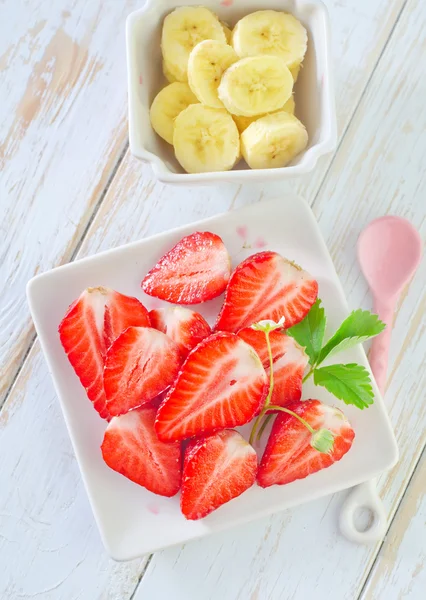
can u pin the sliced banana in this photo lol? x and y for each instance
(273, 33)
(183, 29)
(243, 122)
(255, 86)
(295, 70)
(207, 63)
(167, 73)
(273, 141)
(168, 103)
(227, 31)
(206, 139)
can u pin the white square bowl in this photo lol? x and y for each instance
(313, 90)
(131, 520)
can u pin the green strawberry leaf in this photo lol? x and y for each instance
(309, 333)
(355, 329)
(350, 383)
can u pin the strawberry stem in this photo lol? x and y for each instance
(293, 414)
(322, 439)
(271, 369)
(264, 425)
(308, 374)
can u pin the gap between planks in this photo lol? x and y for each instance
(375, 558)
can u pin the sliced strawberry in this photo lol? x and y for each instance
(122, 312)
(195, 270)
(87, 330)
(141, 363)
(131, 447)
(289, 455)
(221, 384)
(266, 286)
(289, 360)
(216, 469)
(186, 327)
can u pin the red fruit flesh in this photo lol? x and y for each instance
(289, 361)
(216, 469)
(221, 384)
(131, 447)
(122, 312)
(195, 270)
(184, 326)
(289, 455)
(266, 286)
(86, 332)
(141, 363)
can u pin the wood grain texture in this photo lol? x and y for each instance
(49, 543)
(63, 128)
(400, 568)
(290, 555)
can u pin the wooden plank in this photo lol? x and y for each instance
(63, 129)
(400, 571)
(137, 206)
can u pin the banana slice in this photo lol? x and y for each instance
(295, 70)
(243, 122)
(168, 103)
(207, 63)
(227, 31)
(167, 73)
(183, 29)
(206, 139)
(270, 32)
(273, 141)
(255, 86)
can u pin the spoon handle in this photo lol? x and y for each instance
(380, 345)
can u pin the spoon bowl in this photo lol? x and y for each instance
(389, 250)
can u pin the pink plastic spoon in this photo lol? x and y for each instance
(389, 251)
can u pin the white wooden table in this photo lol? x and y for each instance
(69, 188)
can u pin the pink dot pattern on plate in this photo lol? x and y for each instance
(259, 243)
(140, 80)
(242, 231)
(227, 2)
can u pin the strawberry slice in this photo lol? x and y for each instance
(87, 330)
(141, 363)
(289, 455)
(195, 270)
(289, 361)
(131, 447)
(186, 327)
(216, 469)
(122, 312)
(266, 286)
(221, 384)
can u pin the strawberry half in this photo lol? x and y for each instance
(289, 360)
(195, 270)
(87, 330)
(266, 286)
(131, 447)
(216, 469)
(289, 455)
(184, 326)
(221, 384)
(141, 363)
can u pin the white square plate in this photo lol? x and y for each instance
(131, 520)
